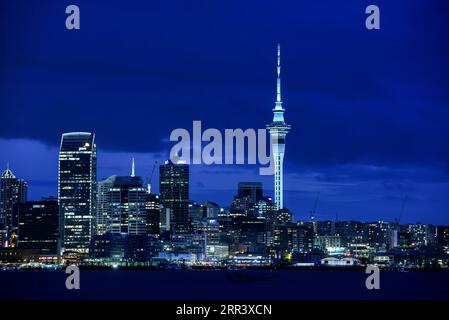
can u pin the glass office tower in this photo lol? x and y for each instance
(251, 190)
(39, 225)
(12, 191)
(122, 204)
(174, 194)
(103, 219)
(77, 190)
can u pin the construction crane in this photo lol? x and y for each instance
(150, 178)
(315, 205)
(398, 219)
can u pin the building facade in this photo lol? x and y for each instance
(126, 206)
(39, 226)
(174, 194)
(103, 219)
(12, 191)
(77, 190)
(153, 207)
(251, 190)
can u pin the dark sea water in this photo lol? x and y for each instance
(224, 285)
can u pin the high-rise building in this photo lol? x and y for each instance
(153, 214)
(378, 234)
(39, 226)
(278, 131)
(252, 233)
(210, 230)
(265, 207)
(77, 190)
(243, 205)
(421, 234)
(164, 219)
(252, 190)
(103, 219)
(104, 198)
(442, 235)
(212, 209)
(248, 195)
(292, 237)
(196, 211)
(12, 191)
(174, 194)
(122, 203)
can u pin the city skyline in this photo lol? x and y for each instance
(369, 110)
(119, 222)
(146, 186)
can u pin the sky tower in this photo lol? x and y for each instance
(278, 130)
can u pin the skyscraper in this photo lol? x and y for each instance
(39, 225)
(122, 204)
(252, 190)
(12, 191)
(153, 214)
(103, 218)
(77, 190)
(278, 130)
(174, 194)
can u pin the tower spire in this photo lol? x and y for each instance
(278, 83)
(133, 173)
(7, 173)
(278, 111)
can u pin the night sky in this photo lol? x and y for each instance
(369, 109)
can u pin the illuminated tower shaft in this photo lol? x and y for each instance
(278, 130)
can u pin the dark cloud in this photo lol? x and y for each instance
(393, 177)
(143, 70)
(355, 98)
